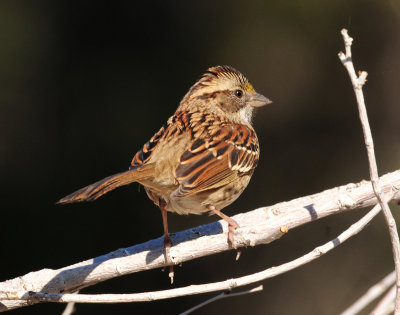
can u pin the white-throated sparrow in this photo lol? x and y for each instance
(202, 159)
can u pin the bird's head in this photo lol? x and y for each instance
(226, 91)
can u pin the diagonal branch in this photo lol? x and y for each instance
(358, 82)
(201, 288)
(259, 226)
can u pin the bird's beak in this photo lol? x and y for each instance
(258, 100)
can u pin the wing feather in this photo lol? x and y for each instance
(232, 152)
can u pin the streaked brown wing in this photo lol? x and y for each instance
(176, 124)
(211, 163)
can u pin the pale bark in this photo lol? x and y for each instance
(260, 226)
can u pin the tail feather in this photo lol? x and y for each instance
(96, 190)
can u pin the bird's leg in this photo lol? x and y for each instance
(167, 240)
(232, 224)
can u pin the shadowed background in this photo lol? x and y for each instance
(84, 85)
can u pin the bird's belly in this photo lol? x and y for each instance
(200, 202)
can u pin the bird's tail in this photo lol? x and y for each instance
(96, 190)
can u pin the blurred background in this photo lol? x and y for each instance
(83, 85)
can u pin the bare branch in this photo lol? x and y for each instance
(230, 284)
(372, 293)
(358, 83)
(221, 296)
(259, 226)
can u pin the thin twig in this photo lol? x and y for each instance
(197, 289)
(372, 293)
(358, 82)
(221, 296)
(386, 305)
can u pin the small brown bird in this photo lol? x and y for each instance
(202, 159)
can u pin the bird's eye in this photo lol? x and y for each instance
(239, 93)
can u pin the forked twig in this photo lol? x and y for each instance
(358, 82)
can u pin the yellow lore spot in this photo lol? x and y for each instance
(248, 87)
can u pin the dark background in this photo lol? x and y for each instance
(83, 85)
